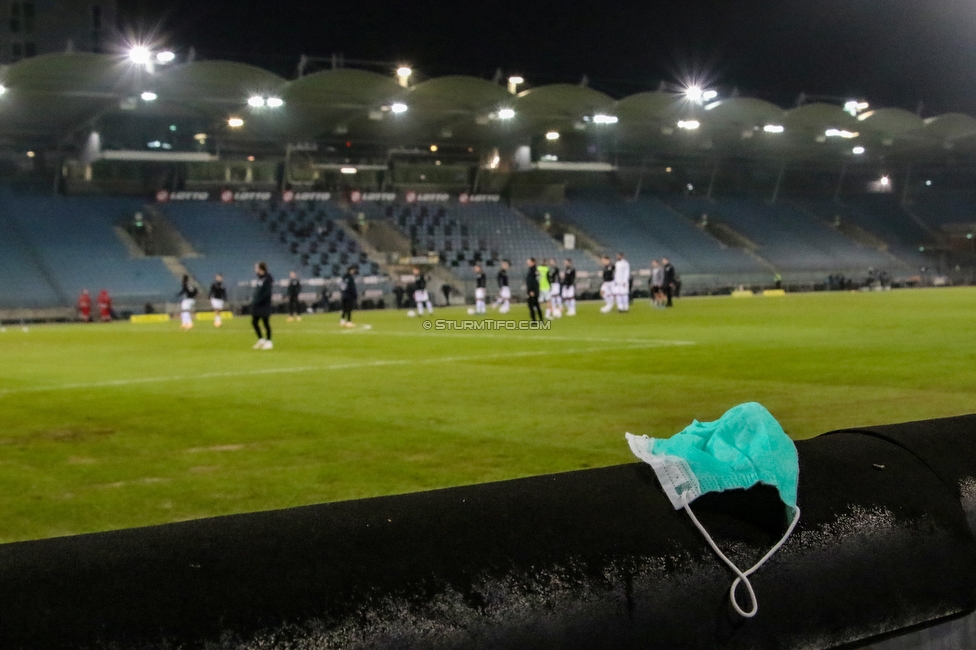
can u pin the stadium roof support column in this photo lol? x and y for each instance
(779, 182)
(840, 181)
(711, 182)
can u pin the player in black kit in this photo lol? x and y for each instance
(349, 296)
(569, 288)
(294, 290)
(504, 291)
(218, 297)
(188, 296)
(261, 306)
(480, 290)
(532, 290)
(420, 295)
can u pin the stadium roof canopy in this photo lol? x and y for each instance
(50, 98)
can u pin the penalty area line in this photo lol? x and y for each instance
(112, 383)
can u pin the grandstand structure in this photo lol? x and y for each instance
(229, 163)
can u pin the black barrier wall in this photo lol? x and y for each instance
(588, 559)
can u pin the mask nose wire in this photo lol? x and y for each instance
(741, 577)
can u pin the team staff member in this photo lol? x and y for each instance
(261, 306)
(420, 295)
(532, 290)
(294, 290)
(349, 296)
(218, 296)
(670, 279)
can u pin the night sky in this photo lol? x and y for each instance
(892, 52)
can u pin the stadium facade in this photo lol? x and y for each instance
(347, 165)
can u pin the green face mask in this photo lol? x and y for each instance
(744, 447)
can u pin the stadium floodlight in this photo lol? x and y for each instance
(885, 181)
(506, 113)
(3, 89)
(398, 108)
(688, 125)
(773, 128)
(514, 82)
(694, 94)
(854, 106)
(709, 95)
(840, 133)
(148, 96)
(140, 55)
(403, 75)
(857, 151)
(552, 135)
(433, 148)
(235, 122)
(31, 154)
(605, 119)
(275, 102)
(348, 170)
(166, 56)
(928, 183)
(255, 101)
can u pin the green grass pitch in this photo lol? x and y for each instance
(111, 426)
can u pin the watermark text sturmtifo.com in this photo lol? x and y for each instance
(489, 324)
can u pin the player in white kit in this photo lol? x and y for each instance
(480, 290)
(569, 288)
(621, 283)
(606, 288)
(188, 294)
(420, 295)
(218, 296)
(504, 301)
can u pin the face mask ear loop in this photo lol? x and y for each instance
(741, 578)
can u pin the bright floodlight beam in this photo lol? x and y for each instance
(398, 108)
(708, 95)
(694, 94)
(166, 56)
(3, 89)
(235, 122)
(552, 135)
(275, 102)
(773, 128)
(857, 151)
(506, 113)
(348, 170)
(149, 96)
(514, 82)
(140, 55)
(255, 101)
(885, 181)
(605, 119)
(689, 125)
(403, 75)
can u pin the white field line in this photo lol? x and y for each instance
(541, 338)
(330, 367)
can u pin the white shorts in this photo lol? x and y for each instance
(544, 296)
(606, 289)
(217, 304)
(556, 290)
(187, 304)
(505, 293)
(421, 296)
(479, 293)
(569, 292)
(621, 288)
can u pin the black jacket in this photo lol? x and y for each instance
(668, 274)
(218, 291)
(349, 291)
(294, 289)
(261, 303)
(532, 281)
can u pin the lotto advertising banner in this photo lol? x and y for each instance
(291, 196)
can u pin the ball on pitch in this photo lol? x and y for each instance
(471, 311)
(411, 313)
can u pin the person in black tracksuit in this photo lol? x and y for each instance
(670, 280)
(532, 290)
(294, 290)
(261, 306)
(349, 296)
